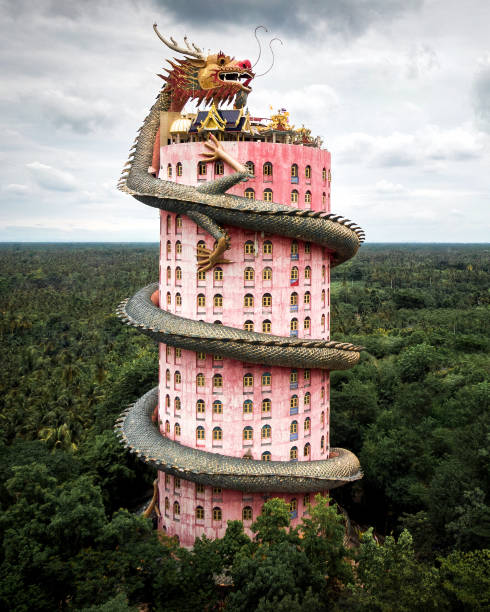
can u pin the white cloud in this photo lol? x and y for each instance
(16, 189)
(52, 178)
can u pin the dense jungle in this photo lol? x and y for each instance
(415, 411)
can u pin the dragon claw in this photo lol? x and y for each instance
(208, 258)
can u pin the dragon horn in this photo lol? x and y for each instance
(175, 47)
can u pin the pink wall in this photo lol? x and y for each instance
(178, 400)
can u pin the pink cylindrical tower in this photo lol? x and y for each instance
(274, 285)
(242, 309)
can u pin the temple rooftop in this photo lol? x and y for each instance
(234, 124)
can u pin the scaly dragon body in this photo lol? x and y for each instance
(211, 208)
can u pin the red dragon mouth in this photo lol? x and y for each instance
(242, 79)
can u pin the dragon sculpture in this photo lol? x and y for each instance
(218, 78)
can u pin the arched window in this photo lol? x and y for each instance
(178, 353)
(322, 419)
(293, 378)
(169, 249)
(247, 513)
(167, 427)
(217, 433)
(293, 301)
(200, 380)
(178, 299)
(267, 274)
(266, 300)
(167, 377)
(248, 380)
(200, 488)
(178, 169)
(218, 274)
(266, 379)
(201, 300)
(176, 509)
(266, 456)
(307, 376)
(308, 172)
(323, 322)
(248, 300)
(169, 274)
(177, 378)
(329, 177)
(177, 430)
(251, 167)
(169, 298)
(217, 514)
(248, 433)
(307, 248)
(177, 404)
(200, 356)
(294, 250)
(307, 399)
(294, 173)
(266, 326)
(167, 401)
(167, 505)
(294, 196)
(217, 381)
(268, 195)
(293, 508)
(248, 325)
(293, 430)
(323, 273)
(169, 224)
(294, 326)
(202, 168)
(323, 297)
(200, 434)
(293, 405)
(249, 274)
(169, 170)
(217, 407)
(307, 425)
(250, 193)
(176, 482)
(322, 443)
(219, 167)
(178, 249)
(307, 298)
(294, 275)
(293, 453)
(266, 432)
(267, 248)
(248, 407)
(200, 513)
(308, 197)
(267, 169)
(178, 275)
(200, 407)
(324, 174)
(218, 301)
(324, 198)
(308, 272)
(307, 450)
(249, 248)
(266, 407)
(201, 275)
(307, 324)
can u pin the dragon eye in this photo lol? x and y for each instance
(221, 61)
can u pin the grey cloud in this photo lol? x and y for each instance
(482, 98)
(52, 178)
(347, 17)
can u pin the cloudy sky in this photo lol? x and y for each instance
(398, 89)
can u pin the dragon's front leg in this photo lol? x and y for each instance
(207, 258)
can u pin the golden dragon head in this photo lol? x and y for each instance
(216, 78)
